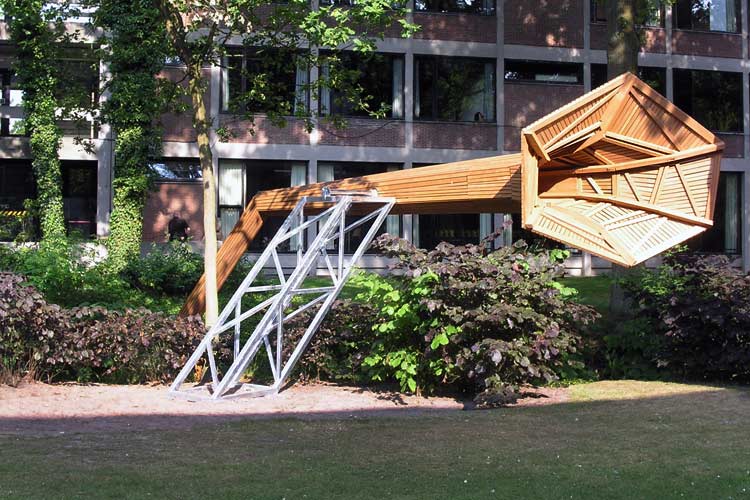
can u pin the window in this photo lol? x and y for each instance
(12, 97)
(482, 7)
(454, 89)
(381, 77)
(262, 81)
(653, 18)
(725, 235)
(16, 184)
(543, 72)
(655, 77)
(177, 169)
(79, 83)
(239, 181)
(713, 98)
(332, 171)
(708, 15)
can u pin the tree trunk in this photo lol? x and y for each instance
(201, 123)
(623, 40)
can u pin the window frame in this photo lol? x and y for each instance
(484, 11)
(332, 93)
(434, 104)
(245, 53)
(738, 20)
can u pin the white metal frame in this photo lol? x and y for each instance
(276, 309)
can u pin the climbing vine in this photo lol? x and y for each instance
(37, 33)
(134, 48)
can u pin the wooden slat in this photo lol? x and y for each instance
(632, 186)
(657, 185)
(640, 101)
(688, 191)
(579, 120)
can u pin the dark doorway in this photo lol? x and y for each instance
(79, 197)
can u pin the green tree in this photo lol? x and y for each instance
(200, 32)
(134, 46)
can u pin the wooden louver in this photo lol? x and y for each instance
(621, 173)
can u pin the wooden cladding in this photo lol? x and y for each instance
(619, 172)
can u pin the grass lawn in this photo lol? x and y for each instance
(594, 291)
(669, 441)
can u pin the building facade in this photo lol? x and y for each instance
(463, 87)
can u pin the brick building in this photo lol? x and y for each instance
(510, 63)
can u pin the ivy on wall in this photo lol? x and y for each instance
(37, 33)
(135, 48)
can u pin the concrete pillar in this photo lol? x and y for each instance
(668, 29)
(105, 163)
(587, 45)
(500, 75)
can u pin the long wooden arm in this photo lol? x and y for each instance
(483, 185)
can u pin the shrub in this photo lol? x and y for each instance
(698, 307)
(455, 317)
(337, 350)
(69, 274)
(90, 343)
(173, 270)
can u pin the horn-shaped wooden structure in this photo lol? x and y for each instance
(621, 173)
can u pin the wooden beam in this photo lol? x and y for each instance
(641, 146)
(594, 185)
(673, 110)
(581, 135)
(659, 124)
(645, 162)
(632, 186)
(536, 145)
(579, 120)
(688, 191)
(612, 113)
(573, 106)
(657, 185)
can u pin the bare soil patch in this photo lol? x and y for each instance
(36, 408)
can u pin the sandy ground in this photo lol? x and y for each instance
(42, 409)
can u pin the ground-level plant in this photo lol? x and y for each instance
(46, 341)
(458, 318)
(692, 318)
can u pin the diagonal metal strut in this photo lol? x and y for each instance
(289, 298)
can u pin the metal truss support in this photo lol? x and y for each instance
(289, 298)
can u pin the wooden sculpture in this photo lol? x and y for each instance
(620, 172)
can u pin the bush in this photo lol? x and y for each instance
(90, 343)
(698, 309)
(68, 273)
(173, 270)
(456, 318)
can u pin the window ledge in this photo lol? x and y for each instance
(178, 181)
(732, 33)
(454, 122)
(533, 82)
(432, 12)
(604, 23)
